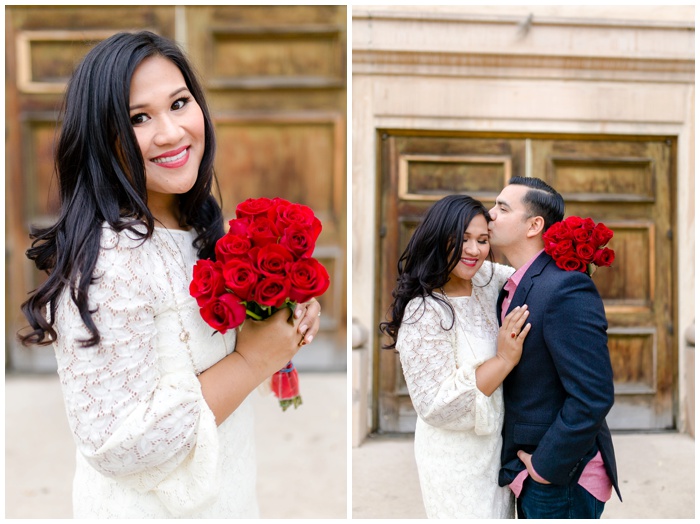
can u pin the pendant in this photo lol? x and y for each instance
(184, 335)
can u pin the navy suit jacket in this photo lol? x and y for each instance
(558, 395)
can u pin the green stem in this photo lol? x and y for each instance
(252, 315)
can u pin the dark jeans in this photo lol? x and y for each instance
(549, 501)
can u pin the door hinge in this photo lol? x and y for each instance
(669, 234)
(382, 231)
(669, 329)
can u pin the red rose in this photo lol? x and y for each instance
(232, 245)
(271, 291)
(224, 312)
(573, 222)
(564, 247)
(253, 207)
(207, 281)
(587, 224)
(308, 279)
(582, 235)
(272, 259)
(238, 226)
(604, 257)
(550, 236)
(240, 277)
(571, 263)
(601, 235)
(585, 252)
(297, 214)
(262, 231)
(563, 232)
(276, 203)
(299, 240)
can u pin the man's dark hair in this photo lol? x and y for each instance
(541, 200)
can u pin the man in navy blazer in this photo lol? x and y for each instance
(557, 454)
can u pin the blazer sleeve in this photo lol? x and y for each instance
(575, 333)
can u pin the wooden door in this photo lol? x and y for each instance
(275, 82)
(624, 182)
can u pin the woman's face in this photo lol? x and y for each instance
(169, 128)
(475, 249)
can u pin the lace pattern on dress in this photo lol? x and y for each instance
(147, 441)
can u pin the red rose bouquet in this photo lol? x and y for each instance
(578, 244)
(263, 264)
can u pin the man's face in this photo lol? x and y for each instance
(509, 217)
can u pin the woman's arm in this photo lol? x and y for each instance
(262, 348)
(128, 415)
(443, 395)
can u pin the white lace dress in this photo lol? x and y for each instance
(458, 430)
(147, 443)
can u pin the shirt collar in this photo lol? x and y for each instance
(518, 275)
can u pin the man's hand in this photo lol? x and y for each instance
(527, 460)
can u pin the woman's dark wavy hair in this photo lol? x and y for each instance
(102, 178)
(433, 251)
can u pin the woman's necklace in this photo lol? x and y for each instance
(184, 334)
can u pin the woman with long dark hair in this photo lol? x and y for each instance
(454, 358)
(157, 405)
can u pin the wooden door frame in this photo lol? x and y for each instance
(383, 167)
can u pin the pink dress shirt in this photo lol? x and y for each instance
(594, 478)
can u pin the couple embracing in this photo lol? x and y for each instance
(507, 367)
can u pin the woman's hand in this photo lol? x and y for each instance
(491, 373)
(310, 322)
(267, 345)
(512, 335)
(263, 347)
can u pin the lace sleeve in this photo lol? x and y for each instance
(133, 417)
(443, 395)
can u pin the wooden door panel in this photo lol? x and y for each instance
(430, 177)
(39, 132)
(628, 286)
(294, 159)
(306, 54)
(603, 179)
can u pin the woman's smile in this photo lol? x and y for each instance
(173, 159)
